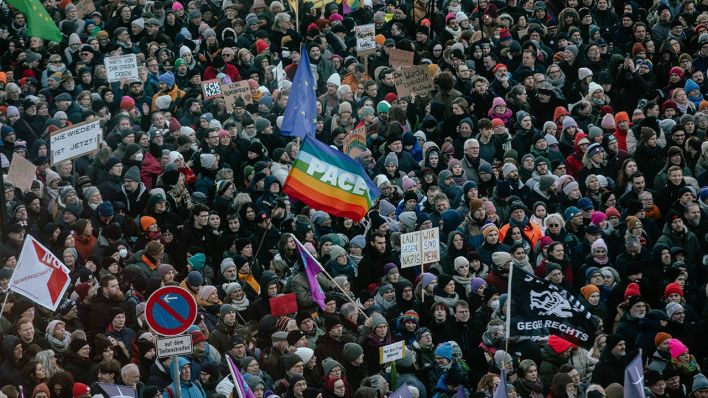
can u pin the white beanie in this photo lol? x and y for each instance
(335, 79)
(594, 87)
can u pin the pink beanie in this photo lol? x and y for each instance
(676, 348)
(608, 122)
(177, 6)
(597, 217)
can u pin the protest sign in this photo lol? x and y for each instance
(430, 239)
(285, 304)
(75, 141)
(232, 91)
(121, 67)
(365, 43)
(211, 89)
(391, 352)
(84, 8)
(411, 253)
(22, 172)
(355, 142)
(415, 79)
(401, 58)
(39, 275)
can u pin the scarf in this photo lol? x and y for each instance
(464, 281)
(248, 278)
(534, 387)
(690, 367)
(59, 345)
(455, 33)
(461, 179)
(241, 305)
(449, 299)
(504, 116)
(381, 301)
(601, 262)
(522, 225)
(683, 108)
(346, 269)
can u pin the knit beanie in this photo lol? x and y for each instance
(672, 288)
(672, 308)
(352, 351)
(676, 348)
(588, 290)
(444, 350)
(660, 338)
(305, 353)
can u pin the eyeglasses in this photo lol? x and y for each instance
(554, 225)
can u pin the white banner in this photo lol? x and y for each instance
(40, 275)
(121, 67)
(411, 253)
(75, 141)
(365, 42)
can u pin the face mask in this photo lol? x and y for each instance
(138, 156)
(493, 304)
(596, 101)
(123, 252)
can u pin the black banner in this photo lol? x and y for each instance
(539, 308)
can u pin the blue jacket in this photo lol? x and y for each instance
(190, 389)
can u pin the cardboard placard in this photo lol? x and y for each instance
(431, 245)
(75, 141)
(211, 89)
(355, 142)
(365, 42)
(284, 304)
(401, 58)
(233, 90)
(121, 67)
(84, 8)
(392, 352)
(411, 254)
(415, 79)
(22, 172)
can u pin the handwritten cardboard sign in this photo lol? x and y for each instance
(21, 173)
(232, 91)
(392, 352)
(365, 42)
(414, 79)
(355, 142)
(401, 58)
(121, 67)
(84, 8)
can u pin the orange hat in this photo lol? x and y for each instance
(425, 22)
(497, 122)
(661, 337)
(146, 222)
(621, 117)
(380, 39)
(589, 289)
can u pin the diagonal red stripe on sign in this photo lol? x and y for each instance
(171, 311)
(58, 277)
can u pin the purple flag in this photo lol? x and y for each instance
(634, 379)
(402, 392)
(239, 383)
(501, 391)
(312, 268)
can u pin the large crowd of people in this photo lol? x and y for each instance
(565, 138)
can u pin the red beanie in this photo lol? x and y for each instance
(80, 390)
(558, 344)
(672, 288)
(632, 290)
(127, 103)
(261, 45)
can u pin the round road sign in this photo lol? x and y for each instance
(170, 310)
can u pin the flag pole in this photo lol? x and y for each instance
(2, 310)
(345, 293)
(507, 332)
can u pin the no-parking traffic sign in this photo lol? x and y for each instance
(170, 310)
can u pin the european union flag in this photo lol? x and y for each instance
(300, 117)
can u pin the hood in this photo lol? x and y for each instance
(9, 343)
(182, 363)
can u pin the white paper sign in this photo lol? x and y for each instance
(178, 345)
(75, 141)
(365, 42)
(121, 67)
(431, 245)
(411, 253)
(392, 352)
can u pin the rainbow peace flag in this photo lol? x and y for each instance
(349, 6)
(326, 179)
